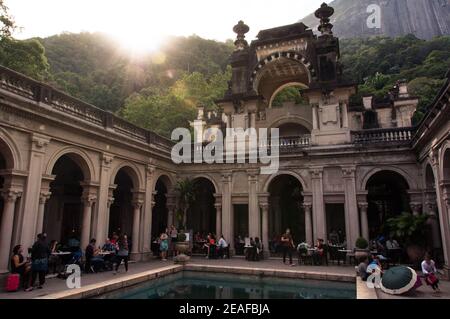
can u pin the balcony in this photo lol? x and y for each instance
(391, 136)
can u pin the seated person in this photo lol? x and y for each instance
(22, 267)
(362, 268)
(392, 244)
(73, 243)
(94, 262)
(375, 266)
(108, 246)
(223, 248)
(258, 249)
(334, 237)
(319, 252)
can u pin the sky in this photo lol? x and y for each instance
(143, 24)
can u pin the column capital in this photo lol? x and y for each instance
(253, 175)
(106, 160)
(44, 197)
(150, 171)
(89, 200)
(316, 172)
(11, 195)
(226, 176)
(307, 206)
(415, 207)
(39, 142)
(218, 205)
(348, 172)
(137, 204)
(363, 206)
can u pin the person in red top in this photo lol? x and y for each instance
(318, 253)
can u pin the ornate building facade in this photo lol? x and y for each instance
(69, 168)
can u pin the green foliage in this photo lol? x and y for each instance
(181, 237)
(289, 94)
(185, 190)
(163, 110)
(361, 243)
(408, 227)
(377, 63)
(7, 24)
(27, 57)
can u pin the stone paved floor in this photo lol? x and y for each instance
(54, 285)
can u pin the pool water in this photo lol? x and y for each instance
(195, 285)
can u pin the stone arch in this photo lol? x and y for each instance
(290, 55)
(80, 157)
(132, 171)
(444, 160)
(293, 174)
(10, 151)
(411, 183)
(167, 179)
(288, 119)
(284, 86)
(428, 175)
(209, 178)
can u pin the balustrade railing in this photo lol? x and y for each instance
(389, 136)
(26, 87)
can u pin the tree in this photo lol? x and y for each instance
(7, 24)
(26, 57)
(186, 196)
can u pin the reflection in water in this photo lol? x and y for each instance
(190, 285)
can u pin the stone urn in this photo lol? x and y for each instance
(361, 253)
(182, 247)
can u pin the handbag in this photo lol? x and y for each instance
(431, 279)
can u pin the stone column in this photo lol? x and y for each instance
(314, 117)
(6, 228)
(433, 222)
(88, 202)
(227, 212)
(264, 205)
(148, 210)
(364, 220)
(105, 197)
(308, 226)
(442, 201)
(319, 220)
(415, 208)
(218, 207)
(31, 195)
(253, 207)
(45, 196)
(351, 206)
(109, 202)
(171, 211)
(137, 205)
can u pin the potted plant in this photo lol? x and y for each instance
(182, 247)
(186, 195)
(362, 248)
(410, 230)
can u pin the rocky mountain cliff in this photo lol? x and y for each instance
(423, 18)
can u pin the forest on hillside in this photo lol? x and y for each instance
(161, 90)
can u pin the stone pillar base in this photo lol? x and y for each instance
(446, 272)
(266, 254)
(146, 256)
(136, 256)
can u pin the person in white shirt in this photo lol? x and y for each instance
(429, 271)
(223, 247)
(392, 244)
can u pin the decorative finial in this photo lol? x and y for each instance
(241, 29)
(324, 13)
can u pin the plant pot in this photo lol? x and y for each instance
(361, 253)
(415, 253)
(182, 248)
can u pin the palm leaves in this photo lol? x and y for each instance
(408, 227)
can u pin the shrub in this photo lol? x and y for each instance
(361, 243)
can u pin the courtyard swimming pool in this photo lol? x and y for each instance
(196, 285)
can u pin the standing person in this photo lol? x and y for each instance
(39, 260)
(429, 271)
(164, 246)
(173, 233)
(223, 247)
(122, 253)
(288, 244)
(22, 267)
